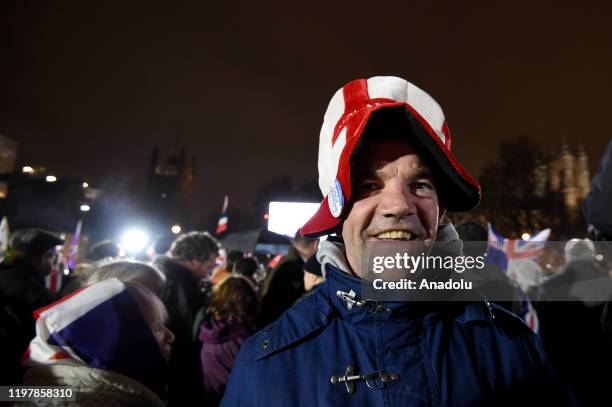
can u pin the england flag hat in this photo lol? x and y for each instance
(346, 122)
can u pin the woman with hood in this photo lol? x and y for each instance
(228, 321)
(107, 342)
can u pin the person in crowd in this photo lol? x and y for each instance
(23, 290)
(313, 275)
(107, 343)
(186, 264)
(229, 320)
(387, 173)
(131, 270)
(103, 250)
(246, 267)
(284, 285)
(573, 311)
(224, 270)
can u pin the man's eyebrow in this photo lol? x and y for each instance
(373, 173)
(423, 172)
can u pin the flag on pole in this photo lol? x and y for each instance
(4, 238)
(72, 250)
(222, 225)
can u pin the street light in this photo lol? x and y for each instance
(51, 178)
(85, 208)
(27, 170)
(134, 240)
(176, 229)
(85, 185)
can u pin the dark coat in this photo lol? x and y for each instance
(221, 343)
(282, 288)
(22, 291)
(183, 299)
(428, 353)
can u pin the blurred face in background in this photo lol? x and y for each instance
(201, 269)
(155, 315)
(306, 249)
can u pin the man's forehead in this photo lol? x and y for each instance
(378, 154)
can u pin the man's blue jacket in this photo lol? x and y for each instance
(399, 354)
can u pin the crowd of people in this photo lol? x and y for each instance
(203, 325)
(198, 301)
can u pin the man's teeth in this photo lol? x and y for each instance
(395, 234)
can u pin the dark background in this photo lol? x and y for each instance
(88, 88)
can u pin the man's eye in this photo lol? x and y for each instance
(423, 185)
(369, 186)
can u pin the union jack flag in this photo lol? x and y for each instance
(519, 249)
(527, 249)
(99, 326)
(513, 254)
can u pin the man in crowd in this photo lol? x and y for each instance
(284, 285)
(387, 173)
(189, 260)
(23, 290)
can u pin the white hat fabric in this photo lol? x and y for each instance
(343, 126)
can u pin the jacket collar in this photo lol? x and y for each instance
(343, 291)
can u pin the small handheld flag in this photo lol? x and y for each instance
(222, 225)
(72, 250)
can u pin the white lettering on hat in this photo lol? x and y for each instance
(335, 199)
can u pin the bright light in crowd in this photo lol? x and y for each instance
(525, 236)
(134, 240)
(51, 178)
(27, 170)
(66, 272)
(176, 229)
(286, 218)
(85, 208)
(599, 257)
(85, 185)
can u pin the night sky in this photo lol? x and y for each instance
(88, 88)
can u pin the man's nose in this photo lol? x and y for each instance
(397, 201)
